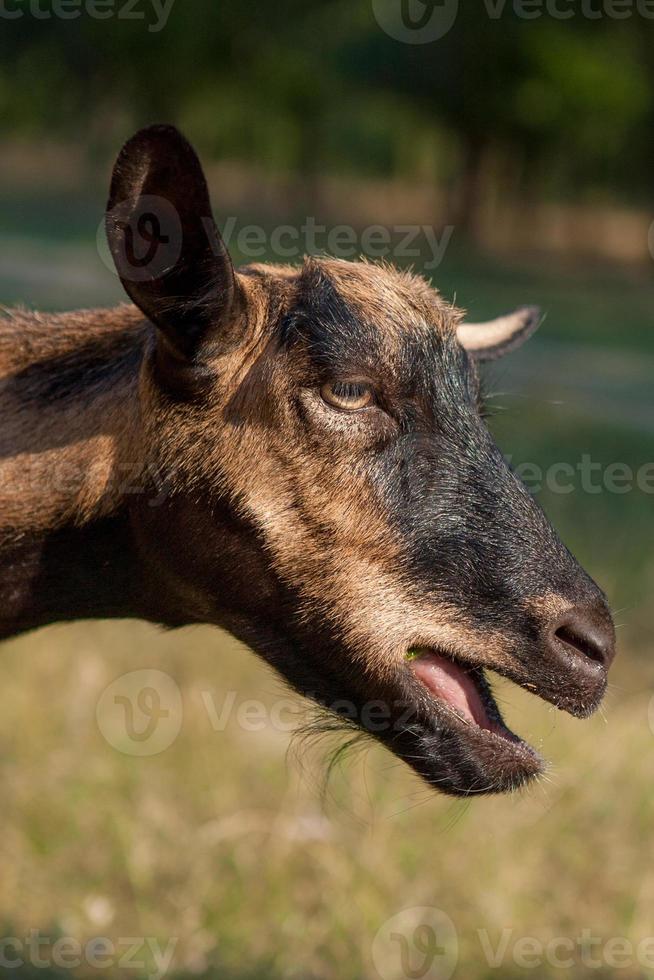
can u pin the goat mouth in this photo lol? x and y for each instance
(464, 690)
(467, 707)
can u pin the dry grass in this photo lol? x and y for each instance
(223, 844)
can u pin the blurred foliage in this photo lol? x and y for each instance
(551, 106)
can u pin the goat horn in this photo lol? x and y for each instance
(488, 341)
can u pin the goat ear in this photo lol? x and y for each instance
(488, 341)
(167, 250)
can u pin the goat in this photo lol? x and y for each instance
(298, 456)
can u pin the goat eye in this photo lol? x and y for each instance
(348, 396)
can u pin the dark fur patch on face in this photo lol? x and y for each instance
(390, 329)
(365, 314)
(375, 293)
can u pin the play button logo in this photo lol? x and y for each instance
(416, 21)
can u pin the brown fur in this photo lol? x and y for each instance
(66, 453)
(59, 450)
(175, 460)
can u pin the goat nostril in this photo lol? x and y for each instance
(588, 632)
(581, 643)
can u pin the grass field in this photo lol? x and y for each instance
(221, 849)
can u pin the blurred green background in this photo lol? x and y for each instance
(531, 140)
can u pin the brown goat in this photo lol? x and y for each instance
(298, 456)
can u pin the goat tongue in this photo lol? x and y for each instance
(452, 684)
